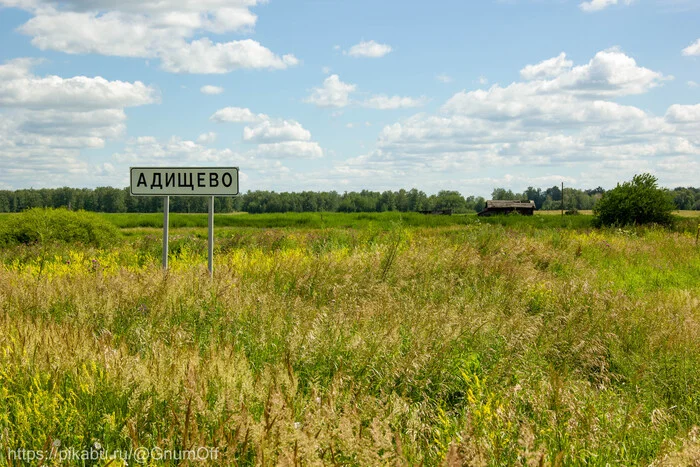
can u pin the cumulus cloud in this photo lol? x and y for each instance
(597, 5)
(559, 91)
(290, 149)
(275, 132)
(91, 127)
(548, 68)
(48, 120)
(111, 33)
(383, 102)
(211, 90)
(204, 56)
(148, 150)
(264, 158)
(274, 138)
(207, 138)
(20, 88)
(152, 29)
(369, 49)
(263, 166)
(560, 115)
(693, 49)
(683, 113)
(237, 115)
(333, 93)
(610, 73)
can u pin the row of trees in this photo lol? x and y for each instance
(107, 199)
(551, 198)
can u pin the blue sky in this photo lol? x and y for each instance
(351, 95)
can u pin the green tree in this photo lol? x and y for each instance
(503, 194)
(684, 198)
(536, 195)
(640, 201)
(450, 200)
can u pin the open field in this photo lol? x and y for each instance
(687, 213)
(588, 213)
(366, 339)
(558, 213)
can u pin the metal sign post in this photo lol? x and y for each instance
(166, 225)
(185, 181)
(211, 237)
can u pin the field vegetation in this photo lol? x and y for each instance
(365, 339)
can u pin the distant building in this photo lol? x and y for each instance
(495, 207)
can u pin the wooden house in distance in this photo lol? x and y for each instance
(495, 207)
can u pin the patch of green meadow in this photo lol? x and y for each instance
(367, 340)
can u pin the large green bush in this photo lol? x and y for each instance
(637, 202)
(41, 225)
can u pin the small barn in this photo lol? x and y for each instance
(495, 207)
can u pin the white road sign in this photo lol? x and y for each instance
(184, 181)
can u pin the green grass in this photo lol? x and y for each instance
(289, 220)
(360, 340)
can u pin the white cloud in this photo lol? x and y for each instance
(204, 56)
(522, 101)
(211, 90)
(93, 126)
(48, 121)
(290, 149)
(176, 151)
(148, 150)
(207, 138)
(693, 84)
(334, 93)
(17, 68)
(274, 138)
(369, 49)
(570, 94)
(548, 68)
(444, 78)
(692, 49)
(20, 88)
(153, 29)
(683, 113)
(610, 73)
(112, 33)
(237, 115)
(597, 5)
(383, 102)
(561, 116)
(276, 132)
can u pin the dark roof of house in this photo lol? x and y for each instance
(508, 204)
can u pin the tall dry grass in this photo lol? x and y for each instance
(461, 345)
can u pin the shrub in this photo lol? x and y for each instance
(637, 202)
(42, 225)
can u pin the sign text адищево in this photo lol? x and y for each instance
(184, 181)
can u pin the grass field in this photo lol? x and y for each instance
(366, 339)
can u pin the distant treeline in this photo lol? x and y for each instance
(107, 199)
(551, 198)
